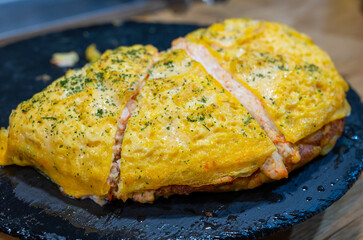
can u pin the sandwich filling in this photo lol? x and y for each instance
(68, 130)
(227, 108)
(281, 81)
(187, 130)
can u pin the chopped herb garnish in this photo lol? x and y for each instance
(50, 118)
(191, 120)
(206, 127)
(248, 120)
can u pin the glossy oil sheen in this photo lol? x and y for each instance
(32, 207)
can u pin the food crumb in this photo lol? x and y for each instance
(92, 53)
(67, 59)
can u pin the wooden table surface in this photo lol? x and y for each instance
(337, 27)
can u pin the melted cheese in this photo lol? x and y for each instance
(68, 130)
(294, 79)
(187, 130)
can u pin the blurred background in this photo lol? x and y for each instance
(334, 25)
(22, 18)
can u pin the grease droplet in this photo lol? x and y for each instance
(304, 188)
(211, 226)
(141, 218)
(262, 220)
(279, 217)
(349, 133)
(321, 188)
(275, 197)
(308, 199)
(332, 184)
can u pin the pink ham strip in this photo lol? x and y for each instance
(115, 172)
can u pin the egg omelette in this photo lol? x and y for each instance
(288, 84)
(229, 107)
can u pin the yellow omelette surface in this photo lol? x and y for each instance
(68, 130)
(296, 81)
(3, 145)
(187, 130)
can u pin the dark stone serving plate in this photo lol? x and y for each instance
(31, 207)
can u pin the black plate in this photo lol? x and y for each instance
(32, 207)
